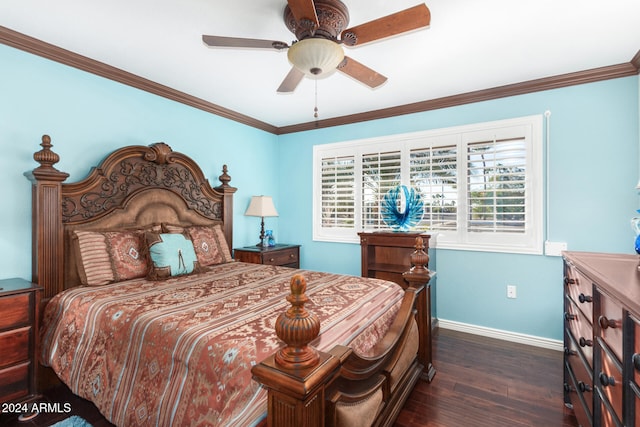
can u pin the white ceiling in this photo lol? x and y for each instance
(470, 45)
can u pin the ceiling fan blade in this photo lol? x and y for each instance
(290, 83)
(362, 73)
(304, 10)
(219, 41)
(387, 26)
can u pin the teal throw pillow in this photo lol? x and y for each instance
(171, 255)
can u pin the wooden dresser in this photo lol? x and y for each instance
(280, 254)
(385, 255)
(18, 337)
(602, 338)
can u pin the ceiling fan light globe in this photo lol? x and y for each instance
(315, 56)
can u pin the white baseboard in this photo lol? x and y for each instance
(502, 335)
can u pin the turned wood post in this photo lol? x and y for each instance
(297, 375)
(228, 192)
(418, 277)
(47, 235)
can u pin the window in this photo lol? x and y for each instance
(481, 184)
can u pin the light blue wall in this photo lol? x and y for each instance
(593, 172)
(593, 169)
(87, 117)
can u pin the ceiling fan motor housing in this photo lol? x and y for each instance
(333, 18)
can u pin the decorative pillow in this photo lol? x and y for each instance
(171, 254)
(209, 242)
(110, 256)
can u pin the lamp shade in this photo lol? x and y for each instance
(261, 206)
(315, 56)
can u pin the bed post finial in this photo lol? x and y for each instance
(419, 258)
(297, 328)
(224, 178)
(46, 157)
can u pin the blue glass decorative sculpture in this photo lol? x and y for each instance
(635, 225)
(399, 216)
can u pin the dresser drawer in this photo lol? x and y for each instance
(15, 311)
(610, 380)
(580, 402)
(14, 382)
(14, 346)
(283, 257)
(610, 323)
(635, 392)
(635, 357)
(580, 289)
(580, 329)
(608, 416)
(581, 374)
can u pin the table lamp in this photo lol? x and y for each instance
(261, 206)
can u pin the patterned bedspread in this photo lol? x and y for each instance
(180, 351)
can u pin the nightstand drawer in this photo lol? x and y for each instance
(15, 311)
(14, 382)
(14, 346)
(280, 254)
(18, 337)
(287, 256)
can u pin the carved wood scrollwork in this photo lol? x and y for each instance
(158, 167)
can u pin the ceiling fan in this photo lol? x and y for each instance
(319, 26)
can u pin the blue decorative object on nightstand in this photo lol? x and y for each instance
(397, 216)
(635, 224)
(270, 240)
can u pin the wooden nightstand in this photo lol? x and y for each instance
(284, 255)
(19, 300)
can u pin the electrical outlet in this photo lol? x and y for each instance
(511, 291)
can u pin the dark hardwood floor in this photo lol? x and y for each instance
(479, 382)
(488, 382)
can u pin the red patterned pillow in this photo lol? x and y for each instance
(110, 256)
(210, 244)
(127, 251)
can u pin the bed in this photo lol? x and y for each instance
(198, 338)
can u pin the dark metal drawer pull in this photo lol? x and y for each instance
(584, 298)
(606, 380)
(584, 387)
(636, 361)
(585, 342)
(607, 323)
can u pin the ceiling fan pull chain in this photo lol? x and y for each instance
(315, 108)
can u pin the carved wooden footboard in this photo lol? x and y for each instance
(341, 388)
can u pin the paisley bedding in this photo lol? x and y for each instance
(179, 351)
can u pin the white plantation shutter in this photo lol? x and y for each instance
(480, 185)
(380, 173)
(496, 172)
(433, 171)
(338, 198)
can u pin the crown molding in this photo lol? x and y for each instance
(66, 57)
(555, 82)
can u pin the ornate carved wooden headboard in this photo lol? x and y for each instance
(135, 186)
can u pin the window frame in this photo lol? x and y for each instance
(530, 241)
